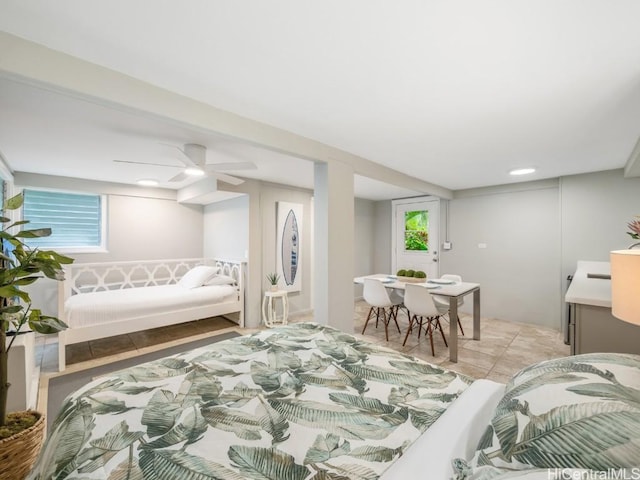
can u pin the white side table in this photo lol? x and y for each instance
(269, 312)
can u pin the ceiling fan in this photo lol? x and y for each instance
(194, 159)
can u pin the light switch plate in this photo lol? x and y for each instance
(447, 246)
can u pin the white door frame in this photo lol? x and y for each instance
(436, 241)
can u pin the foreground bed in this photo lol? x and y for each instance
(305, 401)
(100, 300)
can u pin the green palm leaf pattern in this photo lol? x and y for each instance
(332, 418)
(395, 377)
(200, 385)
(105, 448)
(67, 440)
(325, 448)
(372, 406)
(578, 412)
(376, 454)
(583, 435)
(154, 371)
(244, 425)
(178, 465)
(128, 469)
(296, 402)
(238, 396)
(618, 392)
(161, 412)
(266, 463)
(189, 429)
(355, 472)
(272, 422)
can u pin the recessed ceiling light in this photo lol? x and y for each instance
(196, 172)
(522, 171)
(147, 182)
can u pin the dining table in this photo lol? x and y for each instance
(444, 288)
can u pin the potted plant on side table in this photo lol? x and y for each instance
(21, 433)
(273, 279)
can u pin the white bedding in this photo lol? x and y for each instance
(454, 435)
(102, 307)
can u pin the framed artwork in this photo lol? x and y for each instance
(288, 245)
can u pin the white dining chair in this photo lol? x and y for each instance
(443, 302)
(422, 312)
(385, 307)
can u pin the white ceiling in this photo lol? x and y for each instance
(453, 93)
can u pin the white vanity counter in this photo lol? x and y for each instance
(590, 291)
(592, 327)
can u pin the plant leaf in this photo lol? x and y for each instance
(35, 233)
(14, 202)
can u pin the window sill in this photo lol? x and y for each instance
(72, 250)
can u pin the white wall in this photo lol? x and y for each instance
(596, 208)
(383, 230)
(226, 229)
(149, 229)
(364, 239)
(535, 232)
(519, 270)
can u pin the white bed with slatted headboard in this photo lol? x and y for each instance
(99, 300)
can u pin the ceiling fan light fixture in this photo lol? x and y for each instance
(147, 182)
(522, 171)
(194, 172)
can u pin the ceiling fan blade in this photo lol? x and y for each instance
(217, 167)
(226, 178)
(147, 163)
(179, 177)
(185, 158)
(196, 154)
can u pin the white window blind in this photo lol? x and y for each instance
(75, 219)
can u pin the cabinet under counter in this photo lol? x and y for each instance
(592, 326)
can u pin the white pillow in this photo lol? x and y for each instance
(220, 280)
(197, 276)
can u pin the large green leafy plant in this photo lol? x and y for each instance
(21, 265)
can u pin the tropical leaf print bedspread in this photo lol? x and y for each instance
(301, 401)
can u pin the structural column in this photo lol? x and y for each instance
(334, 249)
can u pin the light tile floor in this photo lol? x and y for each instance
(504, 348)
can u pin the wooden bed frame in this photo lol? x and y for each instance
(94, 277)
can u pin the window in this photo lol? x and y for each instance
(76, 220)
(416, 230)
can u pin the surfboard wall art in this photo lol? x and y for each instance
(288, 243)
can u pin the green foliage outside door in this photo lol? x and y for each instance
(416, 230)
